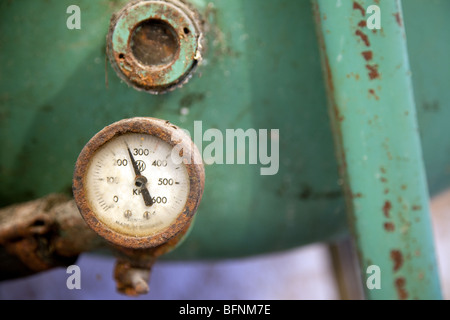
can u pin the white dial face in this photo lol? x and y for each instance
(134, 187)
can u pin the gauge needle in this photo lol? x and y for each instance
(141, 181)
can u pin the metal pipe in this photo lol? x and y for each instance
(49, 232)
(43, 234)
(373, 116)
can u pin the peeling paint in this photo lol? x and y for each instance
(389, 227)
(372, 93)
(368, 55)
(398, 18)
(387, 209)
(373, 74)
(363, 37)
(400, 284)
(397, 258)
(128, 49)
(357, 6)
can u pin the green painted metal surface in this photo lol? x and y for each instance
(379, 150)
(54, 99)
(261, 70)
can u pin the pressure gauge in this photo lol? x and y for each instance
(138, 182)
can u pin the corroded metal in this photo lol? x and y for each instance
(133, 267)
(373, 116)
(43, 234)
(155, 45)
(168, 133)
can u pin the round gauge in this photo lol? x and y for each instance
(138, 182)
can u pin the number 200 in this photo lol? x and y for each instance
(122, 163)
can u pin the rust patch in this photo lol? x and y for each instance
(386, 191)
(358, 195)
(363, 37)
(382, 169)
(372, 92)
(329, 75)
(154, 72)
(404, 187)
(357, 6)
(362, 24)
(400, 286)
(417, 208)
(389, 227)
(133, 267)
(398, 18)
(397, 258)
(355, 75)
(373, 74)
(384, 180)
(387, 209)
(368, 55)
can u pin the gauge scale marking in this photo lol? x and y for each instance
(116, 195)
(128, 187)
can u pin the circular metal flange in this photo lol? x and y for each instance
(168, 133)
(155, 45)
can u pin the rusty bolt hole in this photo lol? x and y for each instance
(39, 223)
(154, 43)
(39, 226)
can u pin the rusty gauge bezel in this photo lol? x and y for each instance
(167, 132)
